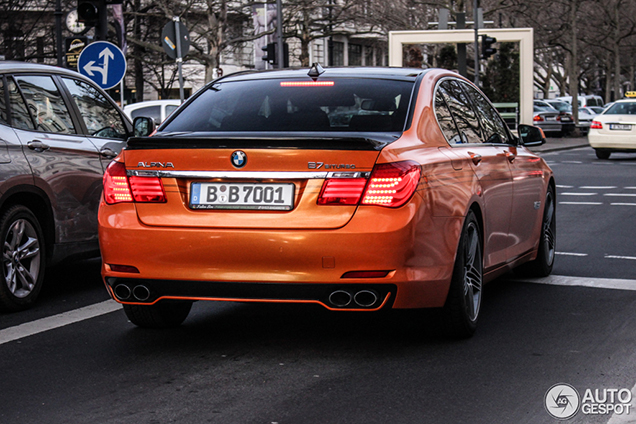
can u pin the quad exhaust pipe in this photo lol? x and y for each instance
(360, 299)
(140, 292)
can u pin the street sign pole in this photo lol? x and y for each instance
(279, 34)
(177, 31)
(477, 25)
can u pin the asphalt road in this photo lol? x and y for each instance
(242, 363)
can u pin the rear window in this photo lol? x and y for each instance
(622, 109)
(276, 105)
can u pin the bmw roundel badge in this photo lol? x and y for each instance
(239, 159)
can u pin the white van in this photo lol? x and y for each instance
(585, 100)
(156, 109)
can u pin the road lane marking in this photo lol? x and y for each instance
(571, 161)
(622, 204)
(581, 203)
(597, 187)
(620, 194)
(600, 283)
(578, 194)
(631, 258)
(571, 254)
(566, 186)
(56, 321)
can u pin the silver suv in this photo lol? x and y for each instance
(58, 132)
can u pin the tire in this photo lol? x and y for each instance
(23, 259)
(463, 303)
(542, 265)
(164, 314)
(602, 154)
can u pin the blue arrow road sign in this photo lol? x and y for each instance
(102, 62)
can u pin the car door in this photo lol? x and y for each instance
(102, 122)
(491, 167)
(527, 181)
(64, 163)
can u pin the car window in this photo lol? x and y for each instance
(20, 116)
(445, 119)
(337, 104)
(170, 109)
(462, 110)
(100, 116)
(493, 126)
(153, 112)
(3, 106)
(46, 104)
(627, 108)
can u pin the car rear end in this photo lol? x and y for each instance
(615, 129)
(286, 196)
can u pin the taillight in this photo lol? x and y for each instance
(596, 125)
(537, 118)
(119, 188)
(392, 184)
(342, 191)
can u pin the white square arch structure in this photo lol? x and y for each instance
(524, 36)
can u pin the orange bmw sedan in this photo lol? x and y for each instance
(358, 189)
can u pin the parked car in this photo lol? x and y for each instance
(548, 119)
(584, 100)
(614, 130)
(565, 111)
(586, 116)
(596, 109)
(58, 132)
(159, 110)
(251, 192)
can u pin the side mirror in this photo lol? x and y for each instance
(531, 136)
(143, 126)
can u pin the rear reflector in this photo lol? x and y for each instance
(365, 274)
(392, 184)
(124, 268)
(119, 188)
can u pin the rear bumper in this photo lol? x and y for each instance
(304, 266)
(615, 142)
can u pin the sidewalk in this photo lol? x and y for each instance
(561, 143)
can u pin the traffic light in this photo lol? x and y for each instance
(487, 49)
(271, 54)
(88, 11)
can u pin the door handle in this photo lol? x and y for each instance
(475, 157)
(107, 153)
(511, 156)
(38, 146)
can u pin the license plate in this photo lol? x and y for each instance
(258, 196)
(621, 127)
(550, 118)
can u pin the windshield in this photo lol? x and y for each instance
(276, 105)
(626, 108)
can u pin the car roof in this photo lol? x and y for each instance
(409, 74)
(15, 66)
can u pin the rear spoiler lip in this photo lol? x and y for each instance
(275, 140)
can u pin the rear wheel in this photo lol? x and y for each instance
(23, 259)
(602, 154)
(542, 265)
(463, 303)
(163, 314)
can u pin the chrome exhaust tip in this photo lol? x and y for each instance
(141, 293)
(340, 298)
(122, 292)
(365, 298)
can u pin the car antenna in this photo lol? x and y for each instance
(316, 70)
